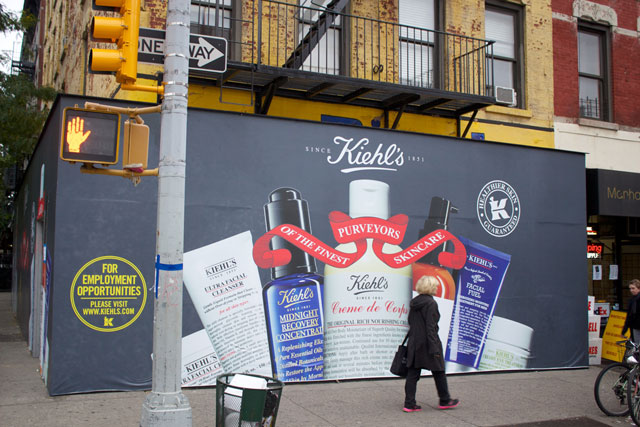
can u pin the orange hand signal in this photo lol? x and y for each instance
(76, 135)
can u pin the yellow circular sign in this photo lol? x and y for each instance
(108, 293)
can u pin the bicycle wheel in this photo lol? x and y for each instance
(633, 394)
(610, 390)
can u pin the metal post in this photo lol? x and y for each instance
(166, 405)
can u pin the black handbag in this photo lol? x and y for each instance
(399, 364)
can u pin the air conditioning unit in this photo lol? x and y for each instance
(505, 96)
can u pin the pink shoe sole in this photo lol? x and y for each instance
(412, 409)
(448, 406)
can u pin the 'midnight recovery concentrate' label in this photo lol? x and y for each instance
(108, 293)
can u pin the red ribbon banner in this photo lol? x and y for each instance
(357, 230)
(347, 229)
(264, 257)
(455, 259)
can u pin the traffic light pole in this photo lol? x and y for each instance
(166, 405)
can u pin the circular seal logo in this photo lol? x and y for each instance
(498, 208)
(108, 293)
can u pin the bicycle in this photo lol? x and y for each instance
(633, 387)
(611, 388)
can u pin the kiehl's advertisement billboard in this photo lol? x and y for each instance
(303, 243)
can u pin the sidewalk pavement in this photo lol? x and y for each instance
(562, 398)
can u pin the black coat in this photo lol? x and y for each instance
(424, 349)
(633, 315)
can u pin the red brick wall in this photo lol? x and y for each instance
(627, 11)
(562, 6)
(624, 66)
(565, 69)
(625, 79)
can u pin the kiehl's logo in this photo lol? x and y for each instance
(364, 155)
(362, 283)
(480, 261)
(295, 296)
(498, 208)
(221, 267)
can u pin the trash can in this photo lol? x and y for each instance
(247, 400)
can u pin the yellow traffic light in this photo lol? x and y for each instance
(123, 31)
(90, 136)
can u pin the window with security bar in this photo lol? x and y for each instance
(212, 17)
(592, 71)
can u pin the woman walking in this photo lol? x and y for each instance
(424, 349)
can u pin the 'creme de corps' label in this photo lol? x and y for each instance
(366, 319)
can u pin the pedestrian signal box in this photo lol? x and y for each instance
(136, 146)
(90, 136)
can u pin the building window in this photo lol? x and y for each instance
(503, 25)
(592, 70)
(211, 17)
(417, 43)
(325, 55)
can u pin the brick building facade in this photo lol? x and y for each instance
(597, 84)
(398, 34)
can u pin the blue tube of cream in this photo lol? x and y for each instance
(478, 286)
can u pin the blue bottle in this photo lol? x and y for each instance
(293, 298)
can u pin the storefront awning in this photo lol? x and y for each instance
(613, 193)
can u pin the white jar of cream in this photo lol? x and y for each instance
(508, 345)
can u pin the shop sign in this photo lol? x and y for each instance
(613, 193)
(594, 250)
(602, 309)
(612, 334)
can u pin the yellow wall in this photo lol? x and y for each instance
(208, 97)
(240, 101)
(67, 28)
(467, 17)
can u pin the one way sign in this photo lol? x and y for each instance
(206, 53)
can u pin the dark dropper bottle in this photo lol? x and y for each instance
(428, 265)
(293, 298)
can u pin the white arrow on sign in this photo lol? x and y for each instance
(204, 52)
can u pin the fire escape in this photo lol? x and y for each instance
(323, 53)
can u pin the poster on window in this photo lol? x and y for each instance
(597, 272)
